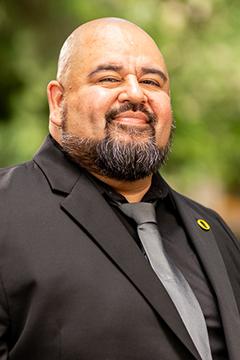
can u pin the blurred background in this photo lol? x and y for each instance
(200, 40)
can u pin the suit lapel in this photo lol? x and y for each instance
(104, 227)
(208, 251)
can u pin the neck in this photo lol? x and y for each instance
(133, 191)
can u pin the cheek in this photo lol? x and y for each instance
(88, 111)
(161, 106)
(99, 97)
(95, 102)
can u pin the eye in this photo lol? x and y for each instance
(109, 79)
(151, 82)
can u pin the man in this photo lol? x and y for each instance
(77, 280)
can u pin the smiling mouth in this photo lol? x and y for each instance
(132, 118)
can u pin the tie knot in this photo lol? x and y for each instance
(141, 212)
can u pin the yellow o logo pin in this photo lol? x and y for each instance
(203, 224)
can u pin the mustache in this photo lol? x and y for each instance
(112, 113)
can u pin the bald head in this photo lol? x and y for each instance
(88, 37)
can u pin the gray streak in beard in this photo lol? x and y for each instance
(114, 156)
(127, 161)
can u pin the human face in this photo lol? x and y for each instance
(118, 66)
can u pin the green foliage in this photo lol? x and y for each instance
(200, 41)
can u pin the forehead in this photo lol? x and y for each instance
(124, 45)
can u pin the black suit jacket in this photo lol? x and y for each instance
(74, 285)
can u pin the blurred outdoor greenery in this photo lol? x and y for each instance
(200, 40)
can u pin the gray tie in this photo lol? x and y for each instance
(171, 277)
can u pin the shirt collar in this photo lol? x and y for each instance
(158, 190)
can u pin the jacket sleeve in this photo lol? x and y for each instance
(4, 323)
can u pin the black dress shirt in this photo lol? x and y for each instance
(179, 248)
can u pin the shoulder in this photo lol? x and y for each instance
(19, 185)
(194, 205)
(12, 173)
(218, 224)
(18, 175)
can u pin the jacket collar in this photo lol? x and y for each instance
(60, 172)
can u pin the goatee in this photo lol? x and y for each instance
(126, 153)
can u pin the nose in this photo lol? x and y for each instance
(132, 91)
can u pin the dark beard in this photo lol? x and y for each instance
(116, 158)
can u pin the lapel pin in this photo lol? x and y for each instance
(203, 224)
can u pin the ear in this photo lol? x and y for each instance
(55, 99)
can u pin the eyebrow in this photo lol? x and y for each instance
(145, 70)
(105, 67)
